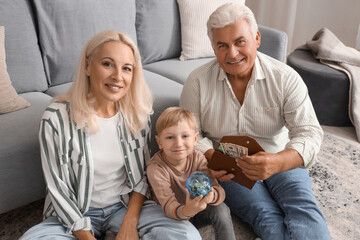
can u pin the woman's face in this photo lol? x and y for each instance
(111, 71)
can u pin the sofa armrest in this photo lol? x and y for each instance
(273, 43)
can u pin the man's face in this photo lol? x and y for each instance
(235, 48)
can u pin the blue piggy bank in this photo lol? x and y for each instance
(198, 183)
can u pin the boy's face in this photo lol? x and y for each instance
(177, 142)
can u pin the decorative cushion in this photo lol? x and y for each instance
(9, 99)
(194, 15)
(158, 29)
(23, 56)
(65, 27)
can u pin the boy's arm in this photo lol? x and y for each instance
(159, 180)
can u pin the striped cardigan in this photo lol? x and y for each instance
(68, 166)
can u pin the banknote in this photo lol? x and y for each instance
(233, 150)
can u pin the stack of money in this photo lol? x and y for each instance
(233, 150)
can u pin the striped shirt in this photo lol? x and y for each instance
(276, 110)
(68, 165)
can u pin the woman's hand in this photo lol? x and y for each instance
(128, 228)
(127, 231)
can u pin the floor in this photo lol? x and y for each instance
(16, 222)
(347, 133)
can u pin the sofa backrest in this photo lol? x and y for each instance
(158, 29)
(44, 39)
(23, 56)
(273, 43)
(65, 26)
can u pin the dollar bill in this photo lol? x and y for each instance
(234, 150)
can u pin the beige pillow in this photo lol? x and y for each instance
(9, 99)
(194, 14)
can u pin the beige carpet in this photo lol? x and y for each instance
(335, 184)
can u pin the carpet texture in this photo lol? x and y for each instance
(334, 179)
(336, 188)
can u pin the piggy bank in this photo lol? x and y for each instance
(198, 183)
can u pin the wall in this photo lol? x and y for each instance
(301, 19)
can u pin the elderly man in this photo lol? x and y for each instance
(244, 92)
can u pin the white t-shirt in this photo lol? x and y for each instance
(109, 169)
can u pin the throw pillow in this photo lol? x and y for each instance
(9, 99)
(194, 14)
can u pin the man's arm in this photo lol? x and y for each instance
(190, 100)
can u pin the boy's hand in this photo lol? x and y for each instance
(210, 196)
(193, 206)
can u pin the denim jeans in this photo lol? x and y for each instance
(281, 207)
(153, 224)
(220, 218)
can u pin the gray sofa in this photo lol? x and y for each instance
(43, 41)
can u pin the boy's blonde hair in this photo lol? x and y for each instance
(172, 116)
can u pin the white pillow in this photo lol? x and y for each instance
(194, 14)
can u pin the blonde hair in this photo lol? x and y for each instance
(228, 14)
(172, 116)
(136, 105)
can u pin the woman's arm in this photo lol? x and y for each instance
(55, 165)
(128, 229)
(84, 235)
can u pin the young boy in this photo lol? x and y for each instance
(169, 168)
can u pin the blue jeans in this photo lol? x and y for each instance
(153, 224)
(281, 207)
(220, 218)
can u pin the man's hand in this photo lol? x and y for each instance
(262, 165)
(193, 206)
(221, 175)
(259, 166)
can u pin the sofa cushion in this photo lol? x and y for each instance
(58, 89)
(21, 177)
(175, 69)
(273, 42)
(194, 16)
(166, 94)
(65, 27)
(9, 99)
(158, 29)
(23, 57)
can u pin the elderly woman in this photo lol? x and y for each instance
(94, 149)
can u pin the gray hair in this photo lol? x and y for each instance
(228, 14)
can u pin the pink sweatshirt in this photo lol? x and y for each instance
(169, 185)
